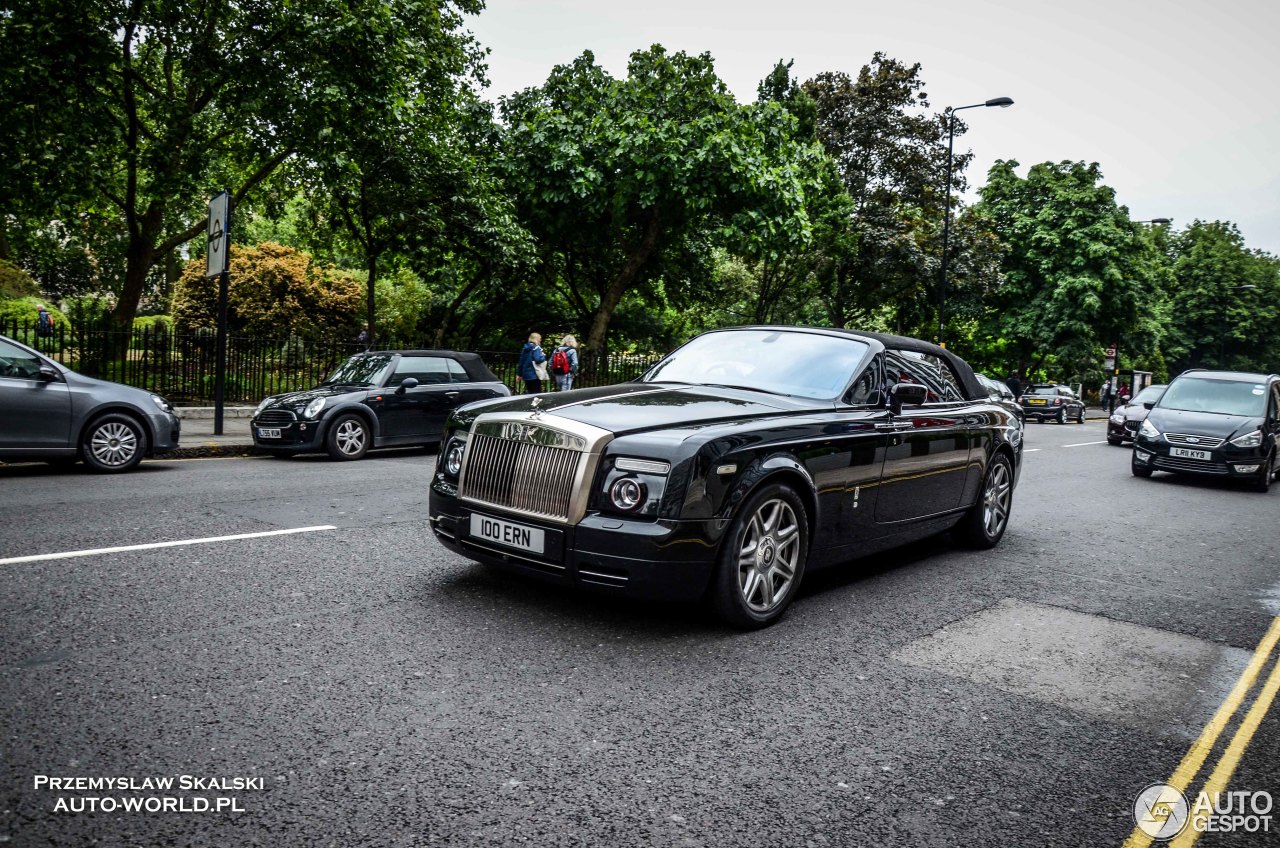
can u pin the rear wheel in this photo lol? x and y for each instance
(1080, 417)
(348, 438)
(762, 560)
(1061, 417)
(113, 443)
(984, 524)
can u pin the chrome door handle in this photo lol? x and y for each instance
(894, 425)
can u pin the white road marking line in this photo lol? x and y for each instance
(1031, 450)
(152, 545)
(1082, 444)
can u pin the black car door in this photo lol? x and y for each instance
(34, 412)
(859, 433)
(418, 413)
(926, 462)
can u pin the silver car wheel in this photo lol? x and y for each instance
(350, 437)
(114, 444)
(769, 556)
(996, 500)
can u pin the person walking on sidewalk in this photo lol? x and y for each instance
(532, 368)
(564, 363)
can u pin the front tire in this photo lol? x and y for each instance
(348, 438)
(762, 559)
(112, 444)
(1114, 442)
(1139, 470)
(984, 524)
(1266, 474)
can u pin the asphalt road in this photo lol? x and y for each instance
(369, 688)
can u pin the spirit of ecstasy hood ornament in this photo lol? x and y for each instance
(535, 411)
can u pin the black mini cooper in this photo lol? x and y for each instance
(380, 399)
(1214, 423)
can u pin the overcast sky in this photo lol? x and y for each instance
(1177, 101)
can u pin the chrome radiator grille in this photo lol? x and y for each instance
(530, 478)
(1203, 442)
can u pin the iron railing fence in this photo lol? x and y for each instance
(181, 365)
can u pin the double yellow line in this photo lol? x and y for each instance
(1191, 764)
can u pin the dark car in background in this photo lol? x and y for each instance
(379, 399)
(49, 412)
(1213, 423)
(1124, 422)
(1052, 402)
(1000, 393)
(720, 474)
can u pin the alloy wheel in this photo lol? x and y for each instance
(996, 500)
(769, 556)
(350, 437)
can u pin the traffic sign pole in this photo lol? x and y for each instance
(218, 263)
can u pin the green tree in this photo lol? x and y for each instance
(622, 180)
(1076, 269)
(1215, 319)
(142, 107)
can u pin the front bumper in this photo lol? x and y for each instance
(166, 429)
(1123, 432)
(1224, 461)
(653, 560)
(296, 436)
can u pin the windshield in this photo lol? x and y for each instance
(1150, 394)
(362, 370)
(806, 365)
(1225, 397)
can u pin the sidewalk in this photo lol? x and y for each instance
(197, 432)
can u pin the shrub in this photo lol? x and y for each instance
(274, 291)
(16, 283)
(24, 312)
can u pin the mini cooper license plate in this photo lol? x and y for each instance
(1189, 454)
(507, 533)
(269, 433)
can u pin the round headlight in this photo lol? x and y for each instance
(453, 458)
(627, 494)
(313, 408)
(261, 407)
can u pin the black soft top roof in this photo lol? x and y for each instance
(470, 362)
(968, 381)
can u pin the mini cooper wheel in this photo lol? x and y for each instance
(1080, 417)
(348, 437)
(113, 443)
(762, 560)
(1061, 417)
(984, 524)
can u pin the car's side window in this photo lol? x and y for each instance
(932, 372)
(457, 374)
(16, 362)
(866, 389)
(428, 370)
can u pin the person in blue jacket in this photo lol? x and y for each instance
(531, 368)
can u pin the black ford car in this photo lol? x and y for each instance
(389, 398)
(1214, 423)
(735, 463)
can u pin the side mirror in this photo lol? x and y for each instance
(1149, 405)
(48, 374)
(909, 394)
(406, 384)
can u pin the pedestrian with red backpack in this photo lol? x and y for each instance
(564, 363)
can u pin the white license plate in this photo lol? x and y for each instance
(507, 533)
(271, 433)
(1189, 454)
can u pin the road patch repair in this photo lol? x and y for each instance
(1115, 670)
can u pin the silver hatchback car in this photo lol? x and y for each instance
(49, 412)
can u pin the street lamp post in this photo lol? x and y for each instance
(1002, 102)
